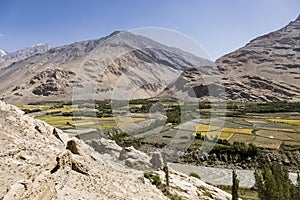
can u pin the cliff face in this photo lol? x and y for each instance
(38, 161)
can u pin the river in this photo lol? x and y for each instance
(221, 176)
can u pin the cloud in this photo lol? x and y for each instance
(1, 35)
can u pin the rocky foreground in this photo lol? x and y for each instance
(38, 161)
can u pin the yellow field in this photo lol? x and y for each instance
(226, 136)
(206, 128)
(104, 123)
(286, 121)
(238, 130)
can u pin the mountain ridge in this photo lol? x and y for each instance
(100, 62)
(133, 66)
(9, 58)
(265, 69)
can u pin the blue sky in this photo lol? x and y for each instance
(219, 26)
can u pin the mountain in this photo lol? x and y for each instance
(266, 69)
(114, 66)
(7, 59)
(2, 52)
(41, 162)
(123, 65)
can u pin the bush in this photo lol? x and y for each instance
(193, 174)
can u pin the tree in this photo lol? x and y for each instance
(272, 182)
(166, 170)
(235, 186)
(296, 191)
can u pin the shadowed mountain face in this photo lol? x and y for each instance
(266, 69)
(118, 63)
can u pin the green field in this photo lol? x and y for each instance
(265, 125)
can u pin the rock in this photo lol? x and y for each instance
(135, 158)
(35, 164)
(71, 145)
(105, 146)
(157, 160)
(191, 187)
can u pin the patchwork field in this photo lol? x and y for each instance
(267, 130)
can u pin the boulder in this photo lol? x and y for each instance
(103, 146)
(135, 158)
(157, 160)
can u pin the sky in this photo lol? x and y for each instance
(216, 25)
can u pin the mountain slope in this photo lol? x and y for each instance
(266, 69)
(122, 58)
(8, 58)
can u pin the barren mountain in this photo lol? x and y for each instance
(127, 66)
(7, 59)
(113, 65)
(38, 161)
(266, 69)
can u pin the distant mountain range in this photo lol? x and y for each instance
(2, 53)
(123, 65)
(7, 59)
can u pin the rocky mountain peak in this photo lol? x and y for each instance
(2, 52)
(9, 58)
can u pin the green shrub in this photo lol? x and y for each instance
(193, 174)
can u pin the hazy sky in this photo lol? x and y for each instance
(219, 26)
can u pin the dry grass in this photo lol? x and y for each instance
(292, 143)
(258, 141)
(276, 129)
(274, 134)
(220, 135)
(242, 138)
(267, 143)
